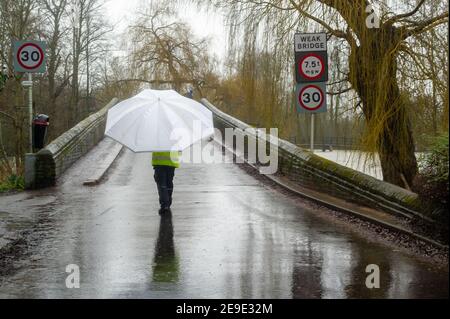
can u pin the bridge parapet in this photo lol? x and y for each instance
(44, 167)
(309, 170)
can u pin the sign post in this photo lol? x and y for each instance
(30, 109)
(29, 57)
(311, 74)
(312, 133)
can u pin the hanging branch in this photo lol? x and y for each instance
(398, 17)
(425, 25)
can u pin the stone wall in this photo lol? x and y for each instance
(43, 168)
(309, 170)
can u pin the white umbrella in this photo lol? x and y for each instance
(158, 121)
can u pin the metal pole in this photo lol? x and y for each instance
(312, 133)
(30, 109)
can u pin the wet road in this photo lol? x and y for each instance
(229, 236)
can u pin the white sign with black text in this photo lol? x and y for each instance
(308, 42)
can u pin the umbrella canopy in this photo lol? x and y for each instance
(158, 121)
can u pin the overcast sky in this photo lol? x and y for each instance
(204, 24)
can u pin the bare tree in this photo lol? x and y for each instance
(88, 42)
(166, 52)
(54, 14)
(18, 21)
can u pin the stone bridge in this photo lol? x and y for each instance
(307, 231)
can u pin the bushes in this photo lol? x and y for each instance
(432, 181)
(12, 182)
(435, 164)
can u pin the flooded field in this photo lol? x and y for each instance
(357, 160)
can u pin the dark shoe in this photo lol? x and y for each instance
(164, 210)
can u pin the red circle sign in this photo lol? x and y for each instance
(311, 97)
(311, 66)
(30, 56)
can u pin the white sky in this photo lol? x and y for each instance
(203, 24)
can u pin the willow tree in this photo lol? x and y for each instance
(375, 34)
(165, 52)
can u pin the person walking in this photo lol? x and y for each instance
(164, 164)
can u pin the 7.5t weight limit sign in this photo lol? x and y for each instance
(311, 66)
(311, 57)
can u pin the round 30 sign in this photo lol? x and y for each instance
(311, 97)
(29, 56)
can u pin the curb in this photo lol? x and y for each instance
(340, 208)
(99, 176)
(355, 213)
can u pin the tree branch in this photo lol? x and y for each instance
(425, 25)
(336, 33)
(339, 92)
(158, 81)
(8, 116)
(397, 17)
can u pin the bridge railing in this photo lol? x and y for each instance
(44, 167)
(325, 143)
(310, 170)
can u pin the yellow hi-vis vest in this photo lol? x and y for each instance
(166, 159)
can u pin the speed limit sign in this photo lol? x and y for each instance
(311, 98)
(29, 56)
(311, 67)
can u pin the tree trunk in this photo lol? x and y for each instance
(397, 168)
(373, 74)
(51, 71)
(435, 111)
(72, 116)
(88, 84)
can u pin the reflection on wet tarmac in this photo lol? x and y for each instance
(234, 238)
(165, 262)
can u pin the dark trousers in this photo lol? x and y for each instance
(164, 180)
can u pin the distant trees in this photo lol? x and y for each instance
(81, 70)
(375, 37)
(17, 21)
(165, 52)
(389, 68)
(75, 32)
(54, 14)
(88, 45)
